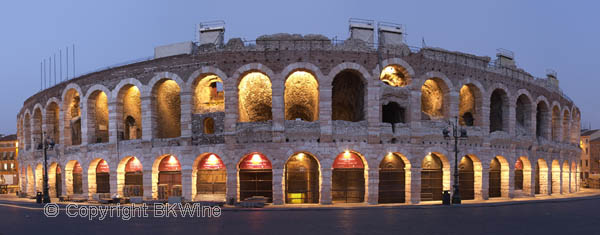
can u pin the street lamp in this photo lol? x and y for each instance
(457, 133)
(45, 145)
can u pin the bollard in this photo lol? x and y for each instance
(446, 197)
(38, 197)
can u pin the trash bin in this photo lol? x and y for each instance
(38, 197)
(231, 201)
(446, 197)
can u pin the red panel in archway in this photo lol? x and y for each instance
(77, 168)
(102, 167)
(348, 160)
(133, 165)
(255, 161)
(58, 171)
(211, 162)
(519, 165)
(169, 163)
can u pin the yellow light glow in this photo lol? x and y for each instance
(390, 155)
(212, 160)
(300, 156)
(17, 144)
(172, 159)
(256, 159)
(346, 155)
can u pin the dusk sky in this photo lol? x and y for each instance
(561, 35)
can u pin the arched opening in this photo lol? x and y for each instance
(72, 118)
(348, 94)
(166, 108)
(209, 125)
(555, 123)
(433, 99)
(52, 124)
(466, 178)
(132, 177)
(98, 177)
(255, 177)
(255, 94)
(542, 118)
(541, 177)
(393, 113)
(392, 179)
(519, 175)
(576, 126)
(495, 188)
(30, 181)
(566, 174)
(209, 95)
(432, 177)
(469, 106)
(39, 178)
(395, 75)
(523, 115)
(301, 97)
(55, 180)
(522, 175)
(498, 111)
(27, 131)
(129, 110)
(36, 131)
(166, 177)
(97, 117)
(348, 178)
(555, 186)
(302, 179)
(565, 125)
(574, 185)
(210, 178)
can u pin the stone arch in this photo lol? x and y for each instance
(566, 175)
(301, 96)
(543, 119)
(405, 68)
(208, 90)
(130, 177)
(477, 179)
(523, 112)
(499, 108)
(39, 177)
(470, 103)
(72, 115)
(30, 181)
(96, 102)
(362, 73)
(238, 75)
(55, 180)
(98, 176)
(348, 96)
(303, 66)
(37, 125)
(556, 174)
(392, 174)
(503, 174)
(255, 97)
(350, 175)
(435, 96)
(541, 181)
(556, 121)
(165, 102)
(52, 119)
(433, 166)
(574, 179)
(73, 177)
(526, 174)
(209, 178)
(302, 178)
(395, 75)
(127, 95)
(252, 168)
(566, 121)
(575, 125)
(27, 129)
(172, 181)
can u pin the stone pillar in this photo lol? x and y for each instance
(485, 182)
(485, 113)
(85, 183)
(530, 191)
(415, 110)
(147, 182)
(231, 109)
(326, 174)
(373, 113)
(508, 192)
(278, 109)
(186, 113)
(85, 123)
(454, 102)
(113, 179)
(512, 122)
(113, 121)
(277, 189)
(232, 183)
(415, 185)
(373, 186)
(186, 184)
(325, 113)
(147, 118)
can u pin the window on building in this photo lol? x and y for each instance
(586, 163)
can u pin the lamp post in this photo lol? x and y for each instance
(457, 133)
(45, 145)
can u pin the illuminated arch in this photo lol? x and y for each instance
(209, 178)
(302, 178)
(301, 96)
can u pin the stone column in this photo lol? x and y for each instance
(326, 186)
(277, 189)
(415, 185)
(147, 118)
(373, 113)
(186, 113)
(232, 183)
(147, 182)
(277, 109)
(373, 186)
(511, 117)
(113, 121)
(415, 110)
(508, 192)
(454, 102)
(113, 179)
(485, 182)
(325, 113)
(231, 109)
(186, 184)
(85, 183)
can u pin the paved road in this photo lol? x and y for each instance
(570, 217)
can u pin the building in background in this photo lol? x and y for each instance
(9, 178)
(590, 158)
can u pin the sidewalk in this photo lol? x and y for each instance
(583, 194)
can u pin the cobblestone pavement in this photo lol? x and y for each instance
(573, 216)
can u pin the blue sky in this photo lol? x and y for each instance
(562, 35)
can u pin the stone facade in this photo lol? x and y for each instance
(162, 129)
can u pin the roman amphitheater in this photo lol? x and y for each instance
(303, 119)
